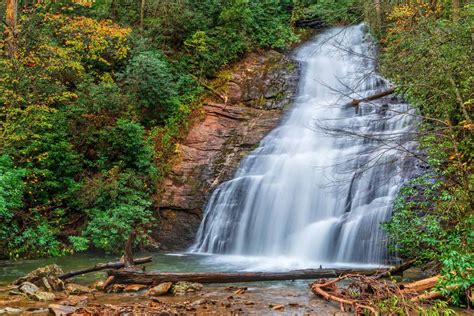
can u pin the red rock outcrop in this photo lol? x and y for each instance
(256, 93)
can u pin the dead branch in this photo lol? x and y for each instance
(103, 266)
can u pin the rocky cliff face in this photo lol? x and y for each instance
(257, 90)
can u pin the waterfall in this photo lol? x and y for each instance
(319, 185)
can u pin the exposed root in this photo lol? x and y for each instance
(363, 292)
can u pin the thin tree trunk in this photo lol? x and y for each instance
(456, 10)
(128, 254)
(10, 30)
(378, 13)
(142, 13)
(103, 266)
(113, 12)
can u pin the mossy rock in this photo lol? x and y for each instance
(183, 287)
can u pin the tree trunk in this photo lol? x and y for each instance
(10, 29)
(456, 10)
(356, 102)
(128, 253)
(103, 266)
(142, 13)
(378, 14)
(137, 277)
(113, 12)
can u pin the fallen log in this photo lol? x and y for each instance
(356, 102)
(150, 278)
(396, 269)
(421, 285)
(426, 296)
(103, 266)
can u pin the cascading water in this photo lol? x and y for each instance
(319, 185)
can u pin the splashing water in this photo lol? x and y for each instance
(318, 187)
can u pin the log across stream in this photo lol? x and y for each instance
(151, 278)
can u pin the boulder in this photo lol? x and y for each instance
(183, 287)
(42, 296)
(46, 278)
(61, 310)
(28, 288)
(33, 292)
(160, 289)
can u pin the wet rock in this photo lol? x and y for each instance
(294, 305)
(77, 289)
(10, 310)
(33, 292)
(28, 288)
(98, 285)
(75, 300)
(257, 89)
(199, 302)
(277, 307)
(160, 289)
(134, 288)
(61, 310)
(46, 278)
(182, 287)
(117, 288)
(241, 290)
(42, 296)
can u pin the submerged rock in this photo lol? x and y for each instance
(160, 289)
(134, 288)
(183, 287)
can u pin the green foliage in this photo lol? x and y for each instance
(428, 54)
(329, 11)
(93, 106)
(11, 189)
(115, 204)
(149, 79)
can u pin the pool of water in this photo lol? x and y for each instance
(166, 262)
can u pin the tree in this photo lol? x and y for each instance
(456, 10)
(10, 30)
(378, 12)
(142, 13)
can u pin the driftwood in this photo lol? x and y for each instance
(321, 290)
(103, 266)
(356, 102)
(363, 291)
(137, 277)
